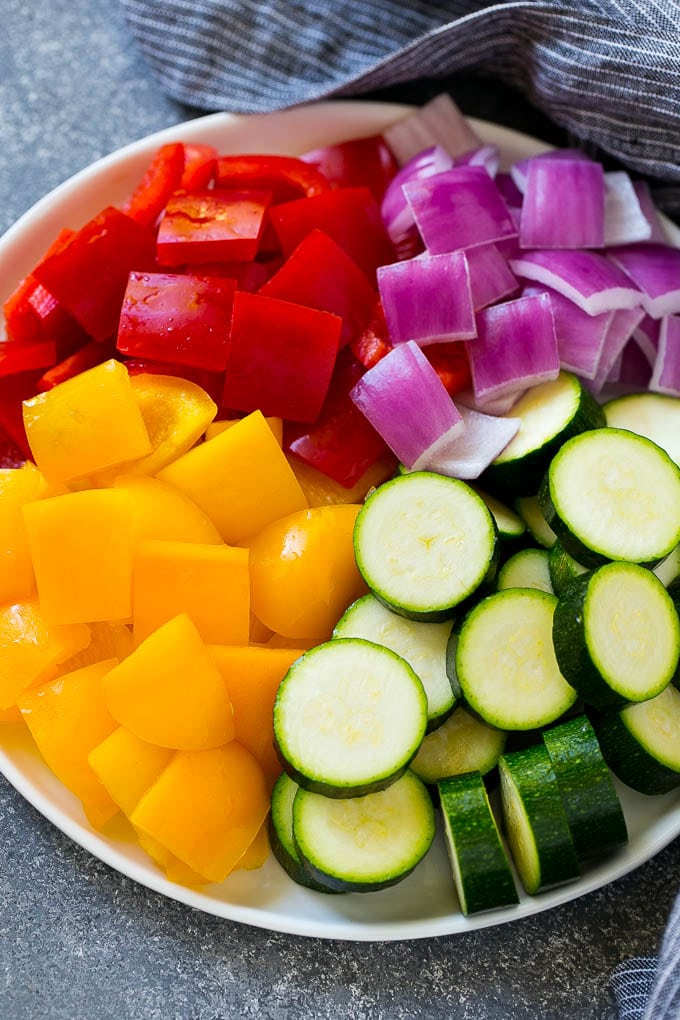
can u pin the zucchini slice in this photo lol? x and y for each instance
(549, 414)
(535, 820)
(653, 415)
(529, 510)
(528, 568)
(364, 843)
(424, 543)
(422, 645)
(612, 495)
(510, 526)
(506, 663)
(641, 743)
(480, 867)
(590, 800)
(348, 717)
(563, 568)
(616, 635)
(281, 834)
(463, 744)
(668, 570)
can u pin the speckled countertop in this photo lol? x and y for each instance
(78, 940)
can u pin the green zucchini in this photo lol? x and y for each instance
(641, 743)
(506, 664)
(563, 568)
(364, 843)
(480, 867)
(653, 415)
(535, 820)
(528, 568)
(511, 528)
(612, 495)
(349, 716)
(591, 803)
(424, 544)
(549, 414)
(281, 834)
(668, 570)
(422, 645)
(674, 592)
(529, 510)
(463, 744)
(616, 635)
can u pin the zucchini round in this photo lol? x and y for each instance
(281, 834)
(616, 635)
(480, 867)
(364, 843)
(653, 415)
(549, 414)
(463, 744)
(506, 664)
(592, 805)
(535, 820)
(528, 568)
(529, 510)
(641, 743)
(510, 526)
(563, 568)
(424, 544)
(348, 717)
(612, 495)
(422, 645)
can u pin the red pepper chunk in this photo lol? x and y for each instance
(320, 274)
(180, 319)
(373, 342)
(208, 226)
(280, 357)
(450, 362)
(341, 443)
(357, 163)
(286, 177)
(23, 357)
(200, 165)
(89, 275)
(90, 354)
(161, 179)
(350, 216)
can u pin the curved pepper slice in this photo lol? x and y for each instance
(285, 176)
(161, 179)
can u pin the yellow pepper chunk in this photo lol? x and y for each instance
(206, 808)
(209, 582)
(108, 641)
(241, 479)
(170, 692)
(30, 649)
(127, 767)
(217, 427)
(320, 490)
(256, 854)
(68, 718)
(163, 512)
(86, 424)
(18, 486)
(81, 545)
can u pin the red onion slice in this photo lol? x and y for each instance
(666, 372)
(655, 269)
(395, 210)
(491, 278)
(428, 299)
(580, 337)
(563, 204)
(624, 220)
(623, 323)
(650, 212)
(438, 122)
(467, 455)
(589, 280)
(520, 169)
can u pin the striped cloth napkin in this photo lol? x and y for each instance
(606, 71)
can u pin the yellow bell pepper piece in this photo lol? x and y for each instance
(86, 424)
(206, 808)
(241, 479)
(209, 582)
(217, 427)
(320, 490)
(18, 486)
(81, 545)
(127, 766)
(68, 718)
(170, 692)
(163, 512)
(108, 641)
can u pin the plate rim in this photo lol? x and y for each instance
(664, 829)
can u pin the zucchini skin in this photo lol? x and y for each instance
(536, 783)
(674, 592)
(482, 863)
(284, 854)
(593, 808)
(628, 760)
(571, 649)
(569, 542)
(522, 475)
(563, 568)
(339, 792)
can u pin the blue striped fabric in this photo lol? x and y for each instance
(608, 71)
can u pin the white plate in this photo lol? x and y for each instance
(425, 904)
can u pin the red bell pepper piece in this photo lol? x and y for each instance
(211, 382)
(360, 162)
(280, 357)
(89, 276)
(211, 225)
(349, 215)
(320, 274)
(285, 176)
(90, 354)
(373, 343)
(13, 390)
(450, 361)
(250, 276)
(181, 319)
(162, 178)
(21, 322)
(200, 165)
(341, 443)
(16, 356)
